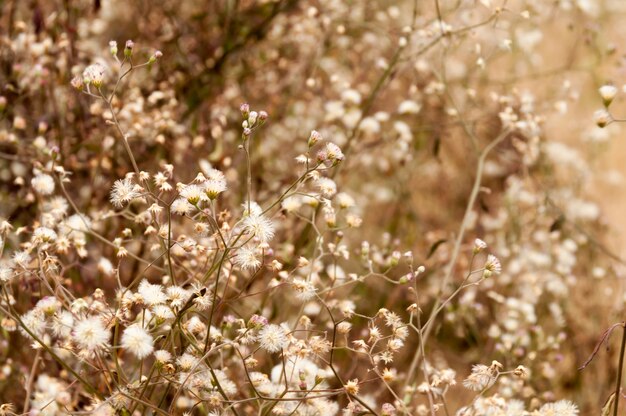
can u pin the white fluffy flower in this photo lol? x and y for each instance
(215, 184)
(91, 334)
(45, 234)
(6, 274)
(306, 290)
(409, 107)
(124, 191)
(138, 341)
(259, 226)
(43, 184)
(94, 74)
(291, 203)
(193, 194)
(273, 338)
(560, 408)
(327, 186)
(247, 258)
(151, 294)
(181, 207)
(482, 377)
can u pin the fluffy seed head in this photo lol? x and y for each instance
(138, 341)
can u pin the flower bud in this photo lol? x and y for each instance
(608, 93)
(602, 118)
(252, 117)
(314, 138)
(395, 258)
(479, 245)
(128, 49)
(113, 47)
(365, 250)
(77, 83)
(155, 57)
(245, 110)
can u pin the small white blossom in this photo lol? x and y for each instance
(138, 341)
(124, 191)
(43, 184)
(91, 334)
(273, 338)
(151, 294)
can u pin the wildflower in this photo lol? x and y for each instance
(330, 155)
(193, 194)
(273, 338)
(128, 48)
(479, 245)
(95, 75)
(389, 375)
(245, 110)
(62, 324)
(344, 327)
(560, 408)
(138, 341)
(34, 320)
(124, 191)
(162, 313)
(344, 200)
(259, 226)
(352, 387)
(155, 57)
(257, 321)
(521, 371)
(106, 267)
(409, 107)
(305, 289)
(113, 47)
(6, 274)
(482, 377)
(43, 184)
(7, 409)
(91, 334)
(327, 186)
(181, 206)
(291, 203)
(203, 303)
(151, 294)
(162, 356)
(44, 234)
(186, 362)
(608, 93)
(48, 305)
(77, 83)
(247, 258)
(215, 185)
(602, 118)
(21, 258)
(314, 138)
(492, 266)
(177, 296)
(388, 410)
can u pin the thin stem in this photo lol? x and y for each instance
(31, 380)
(620, 367)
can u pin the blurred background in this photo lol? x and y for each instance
(412, 92)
